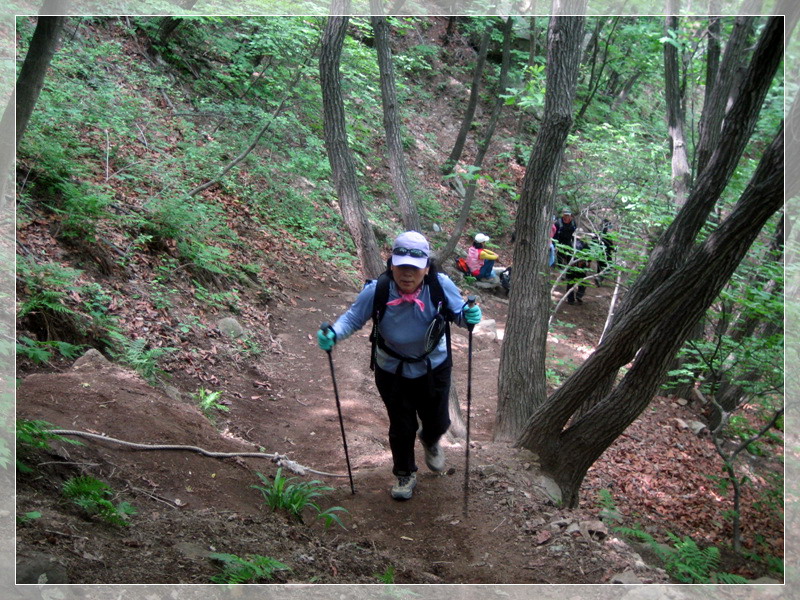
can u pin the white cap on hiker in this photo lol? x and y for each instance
(411, 248)
(481, 238)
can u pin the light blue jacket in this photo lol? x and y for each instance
(402, 327)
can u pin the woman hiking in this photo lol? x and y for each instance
(411, 306)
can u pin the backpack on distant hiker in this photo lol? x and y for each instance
(461, 265)
(439, 326)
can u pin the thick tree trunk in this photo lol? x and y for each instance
(649, 334)
(521, 383)
(466, 124)
(670, 250)
(718, 91)
(341, 159)
(391, 122)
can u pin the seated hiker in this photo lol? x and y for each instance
(411, 306)
(480, 260)
(576, 272)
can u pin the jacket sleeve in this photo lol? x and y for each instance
(488, 255)
(357, 315)
(454, 300)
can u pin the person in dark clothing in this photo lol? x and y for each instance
(565, 231)
(576, 272)
(608, 249)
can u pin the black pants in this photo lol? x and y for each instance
(426, 396)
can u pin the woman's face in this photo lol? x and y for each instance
(408, 278)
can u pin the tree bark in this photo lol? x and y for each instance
(341, 160)
(466, 124)
(676, 116)
(718, 90)
(391, 122)
(521, 381)
(37, 60)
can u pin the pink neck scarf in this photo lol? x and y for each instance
(412, 297)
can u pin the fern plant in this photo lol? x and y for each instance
(282, 494)
(136, 355)
(35, 435)
(94, 496)
(251, 569)
(685, 561)
(208, 402)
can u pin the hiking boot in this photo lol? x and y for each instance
(404, 487)
(434, 457)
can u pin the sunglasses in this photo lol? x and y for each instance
(409, 252)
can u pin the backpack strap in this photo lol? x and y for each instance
(379, 307)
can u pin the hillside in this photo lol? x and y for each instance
(155, 284)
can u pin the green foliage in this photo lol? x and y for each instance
(81, 207)
(684, 560)
(28, 517)
(387, 576)
(35, 435)
(282, 494)
(608, 508)
(136, 355)
(42, 352)
(251, 569)
(94, 497)
(417, 60)
(209, 403)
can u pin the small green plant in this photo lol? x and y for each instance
(387, 576)
(35, 435)
(28, 517)
(685, 561)
(209, 403)
(608, 508)
(282, 494)
(94, 496)
(134, 354)
(42, 352)
(251, 569)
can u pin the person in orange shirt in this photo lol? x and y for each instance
(480, 260)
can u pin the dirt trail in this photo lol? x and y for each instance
(284, 403)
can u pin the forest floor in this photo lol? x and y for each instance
(190, 505)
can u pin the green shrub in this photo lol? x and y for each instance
(295, 498)
(251, 569)
(94, 496)
(35, 435)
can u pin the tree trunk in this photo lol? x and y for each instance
(391, 122)
(597, 72)
(483, 146)
(521, 382)
(339, 155)
(466, 124)
(649, 335)
(37, 60)
(670, 250)
(676, 116)
(718, 90)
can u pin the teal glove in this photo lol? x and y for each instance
(472, 314)
(326, 338)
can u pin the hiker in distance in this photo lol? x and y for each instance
(481, 260)
(411, 305)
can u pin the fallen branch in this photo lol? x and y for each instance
(279, 459)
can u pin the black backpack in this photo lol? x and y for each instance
(440, 325)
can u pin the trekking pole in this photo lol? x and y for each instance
(470, 302)
(325, 327)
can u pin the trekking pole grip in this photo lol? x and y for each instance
(471, 300)
(325, 326)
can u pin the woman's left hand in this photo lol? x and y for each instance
(472, 314)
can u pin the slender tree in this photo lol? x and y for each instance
(676, 112)
(391, 121)
(521, 381)
(466, 123)
(341, 159)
